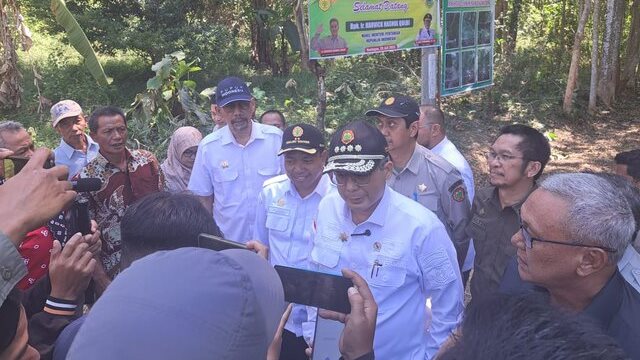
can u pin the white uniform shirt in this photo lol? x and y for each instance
(450, 152)
(406, 259)
(285, 223)
(234, 174)
(74, 159)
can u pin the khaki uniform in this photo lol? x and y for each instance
(492, 227)
(438, 186)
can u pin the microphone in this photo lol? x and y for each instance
(86, 184)
(365, 233)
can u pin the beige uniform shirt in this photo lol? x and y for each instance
(438, 186)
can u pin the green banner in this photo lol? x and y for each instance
(467, 53)
(344, 28)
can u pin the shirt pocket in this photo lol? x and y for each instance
(386, 272)
(429, 200)
(325, 256)
(224, 175)
(277, 219)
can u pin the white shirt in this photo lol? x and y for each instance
(75, 159)
(234, 175)
(285, 223)
(450, 152)
(417, 261)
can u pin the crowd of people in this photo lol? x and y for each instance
(388, 202)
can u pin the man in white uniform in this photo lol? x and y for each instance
(232, 163)
(399, 247)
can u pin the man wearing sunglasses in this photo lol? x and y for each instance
(399, 247)
(574, 230)
(516, 160)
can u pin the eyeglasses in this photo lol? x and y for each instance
(501, 157)
(528, 241)
(341, 178)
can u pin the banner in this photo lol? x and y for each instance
(345, 28)
(467, 54)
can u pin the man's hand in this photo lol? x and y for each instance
(360, 325)
(4, 153)
(259, 248)
(33, 196)
(93, 240)
(70, 268)
(274, 349)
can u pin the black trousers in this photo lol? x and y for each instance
(293, 347)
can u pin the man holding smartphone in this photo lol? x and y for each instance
(399, 247)
(286, 210)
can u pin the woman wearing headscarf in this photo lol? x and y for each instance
(180, 157)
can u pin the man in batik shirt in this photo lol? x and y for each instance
(127, 175)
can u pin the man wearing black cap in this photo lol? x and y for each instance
(232, 163)
(287, 207)
(399, 247)
(420, 174)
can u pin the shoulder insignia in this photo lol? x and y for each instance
(274, 180)
(439, 161)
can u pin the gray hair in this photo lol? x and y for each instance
(9, 126)
(598, 213)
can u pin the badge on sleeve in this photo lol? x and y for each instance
(458, 192)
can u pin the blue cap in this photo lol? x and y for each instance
(232, 89)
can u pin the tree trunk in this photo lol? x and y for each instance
(298, 13)
(321, 107)
(632, 57)
(567, 104)
(594, 58)
(512, 27)
(260, 39)
(10, 76)
(610, 52)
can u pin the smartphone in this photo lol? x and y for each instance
(13, 164)
(326, 343)
(217, 243)
(316, 289)
(77, 219)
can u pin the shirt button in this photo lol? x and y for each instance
(6, 273)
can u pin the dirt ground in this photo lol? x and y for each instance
(579, 144)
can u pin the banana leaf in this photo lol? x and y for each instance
(79, 41)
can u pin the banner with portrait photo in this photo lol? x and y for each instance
(467, 51)
(344, 28)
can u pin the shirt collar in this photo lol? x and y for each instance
(607, 301)
(68, 150)
(494, 198)
(228, 138)
(441, 145)
(414, 162)
(320, 189)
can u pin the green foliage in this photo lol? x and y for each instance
(169, 101)
(79, 40)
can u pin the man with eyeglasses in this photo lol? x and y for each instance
(421, 175)
(516, 160)
(233, 162)
(399, 247)
(573, 231)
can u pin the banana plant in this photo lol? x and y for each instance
(79, 41)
